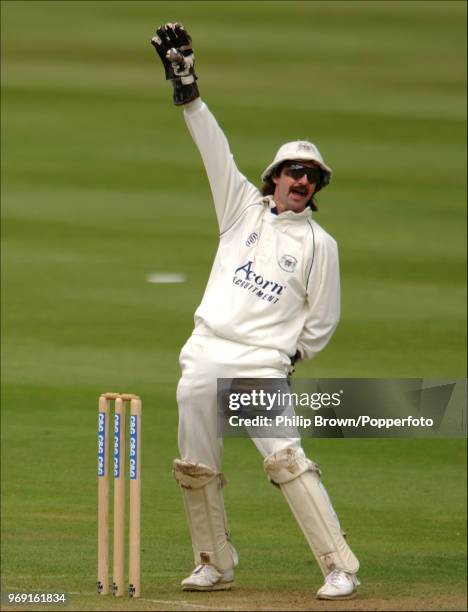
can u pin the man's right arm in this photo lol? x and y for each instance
(232, 192)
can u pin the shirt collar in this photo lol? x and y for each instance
(288, 214)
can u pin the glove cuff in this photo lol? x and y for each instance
(184, 93)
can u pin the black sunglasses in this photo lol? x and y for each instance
(297, 171)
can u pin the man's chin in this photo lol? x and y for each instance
(296, 205)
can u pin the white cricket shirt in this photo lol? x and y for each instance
(275, 278)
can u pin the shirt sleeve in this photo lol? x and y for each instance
(323, 298)
(232, 192)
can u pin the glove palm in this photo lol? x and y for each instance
(173, 44)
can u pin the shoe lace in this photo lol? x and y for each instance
(334, 577)
(203, 567)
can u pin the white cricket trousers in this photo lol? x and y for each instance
(203, 360)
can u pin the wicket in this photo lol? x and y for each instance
(104, 412)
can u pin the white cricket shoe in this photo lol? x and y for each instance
(207, 578)
(338, 585)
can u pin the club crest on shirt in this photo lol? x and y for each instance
(287, 263)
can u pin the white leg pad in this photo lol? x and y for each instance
(204, 506)
(299, 480)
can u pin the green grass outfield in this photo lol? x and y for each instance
(103, 186)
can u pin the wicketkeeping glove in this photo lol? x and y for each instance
(174, 46)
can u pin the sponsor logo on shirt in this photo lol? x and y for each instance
(252, 239)
(246, 278)
(287, 263)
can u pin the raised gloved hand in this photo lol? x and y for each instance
(174, 46)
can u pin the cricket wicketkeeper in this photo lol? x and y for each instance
(273, 297)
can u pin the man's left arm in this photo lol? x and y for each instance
(323, 298)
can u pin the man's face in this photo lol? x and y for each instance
(292, 187)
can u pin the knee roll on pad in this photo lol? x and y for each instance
(299, 480)
(204, 507)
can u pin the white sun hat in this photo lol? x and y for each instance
(301, 150)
